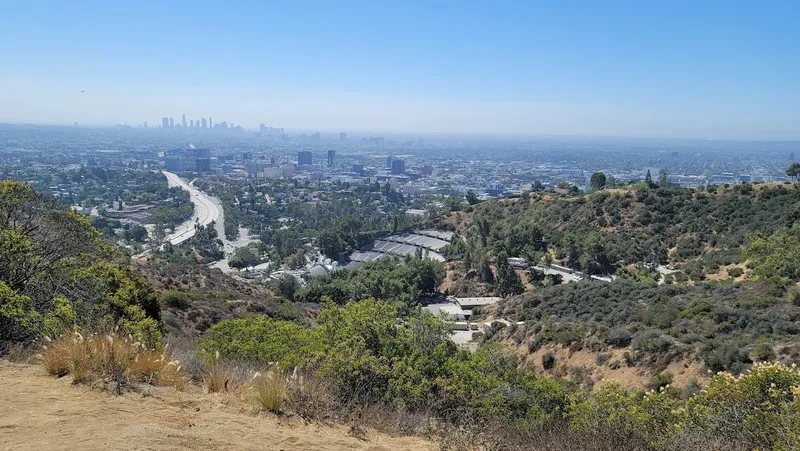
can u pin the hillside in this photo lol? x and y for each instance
(195, 297)
(41, 412)
(696, 230)
(731, 300)
(632, 331)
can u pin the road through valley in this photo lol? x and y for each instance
(206, 210)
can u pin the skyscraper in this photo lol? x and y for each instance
(171, 123)
(210, 122)
(304, 158)
(204, 123)
(164, 122)
(398, 166)
(191, 123)
(184, 121)
(342, 137)
(331, 158)
(202, 160)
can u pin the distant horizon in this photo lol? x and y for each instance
(334, 134)
(684, 70)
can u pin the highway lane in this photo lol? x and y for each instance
(206, 210)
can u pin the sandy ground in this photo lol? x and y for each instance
(39, 412)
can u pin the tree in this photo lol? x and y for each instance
(508, 281)
(648, 178)
(453, 203)
(286, 286)
(485, 272)
(662, 179)
(159, 233)
(472, 198)
(136, 233)
(598, 180)
(330, 244)
(793, 171)
(775, 256)
(244, 257)
(426, 274)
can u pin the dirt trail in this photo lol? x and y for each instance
(40, 412)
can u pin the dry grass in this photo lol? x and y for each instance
(269, 391)
(19, 353)
(112, 359)
(312, 398)
(216, 380)
(227, 377)
(266, 389)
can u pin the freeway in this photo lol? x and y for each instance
(206, 210)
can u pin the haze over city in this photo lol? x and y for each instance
(710, 71)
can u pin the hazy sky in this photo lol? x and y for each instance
(699, 69)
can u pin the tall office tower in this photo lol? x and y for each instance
(398, 166)
(171, 123)
(331, 158)
(389, 162)
(342, 137)
(304, 158)
(261, 128)
(164, 122)
(210, 122)
(184, 121)
(191, 123)
(204, 123)
(145, 124)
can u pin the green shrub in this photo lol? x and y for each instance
(619, 337)
(548, 361)
(175, 299)
(659, 381)
(763, 352)
(759, 409)
(735, 272)
(725, 357)
(260, 339)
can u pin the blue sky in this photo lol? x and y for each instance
(678, 69)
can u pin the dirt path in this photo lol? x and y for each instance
(40, 412)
